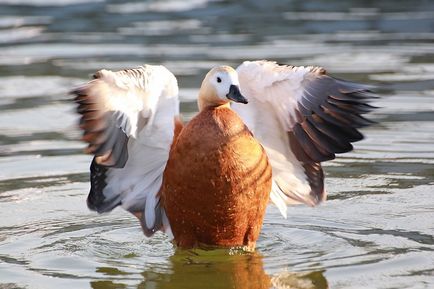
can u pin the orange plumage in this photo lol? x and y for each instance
(217, 182)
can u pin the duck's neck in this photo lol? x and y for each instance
(204, 104)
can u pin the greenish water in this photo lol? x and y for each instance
(375, 231)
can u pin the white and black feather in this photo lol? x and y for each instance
(127, 118)
(302, 117)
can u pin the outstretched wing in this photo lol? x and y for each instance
(302, 117)
(127, 118)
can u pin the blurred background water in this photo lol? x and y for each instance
(375, 231)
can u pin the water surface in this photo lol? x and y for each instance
(375, 231)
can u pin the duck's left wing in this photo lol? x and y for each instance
(302, 117)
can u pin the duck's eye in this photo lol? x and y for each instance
(219, 79)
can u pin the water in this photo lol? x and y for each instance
(375, 231)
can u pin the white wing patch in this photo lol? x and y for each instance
(136, 107)
(261, 119)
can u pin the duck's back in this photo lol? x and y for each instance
(217, 182)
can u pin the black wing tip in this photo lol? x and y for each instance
(315, 177)
(364, 95)
(110, 142)
(331, 122)
(96, 200)
(100, 207)
(78, 91)
(366, 92)
(74, 91)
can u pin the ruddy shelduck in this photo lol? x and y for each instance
(261, 134)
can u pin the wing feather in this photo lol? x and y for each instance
(127, 119)
(302, 117)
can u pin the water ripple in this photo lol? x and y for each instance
(376, 228)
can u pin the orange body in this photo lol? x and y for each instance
(217, 182)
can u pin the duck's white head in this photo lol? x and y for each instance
(219, 87)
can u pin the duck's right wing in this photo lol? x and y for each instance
(127, 118)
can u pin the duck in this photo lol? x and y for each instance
(259, 138)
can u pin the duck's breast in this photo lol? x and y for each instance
(217, 182)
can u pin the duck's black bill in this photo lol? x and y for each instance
(235, 94)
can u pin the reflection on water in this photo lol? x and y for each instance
(310, 280)
(376, 229)
(217, 269)
(212, 270)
